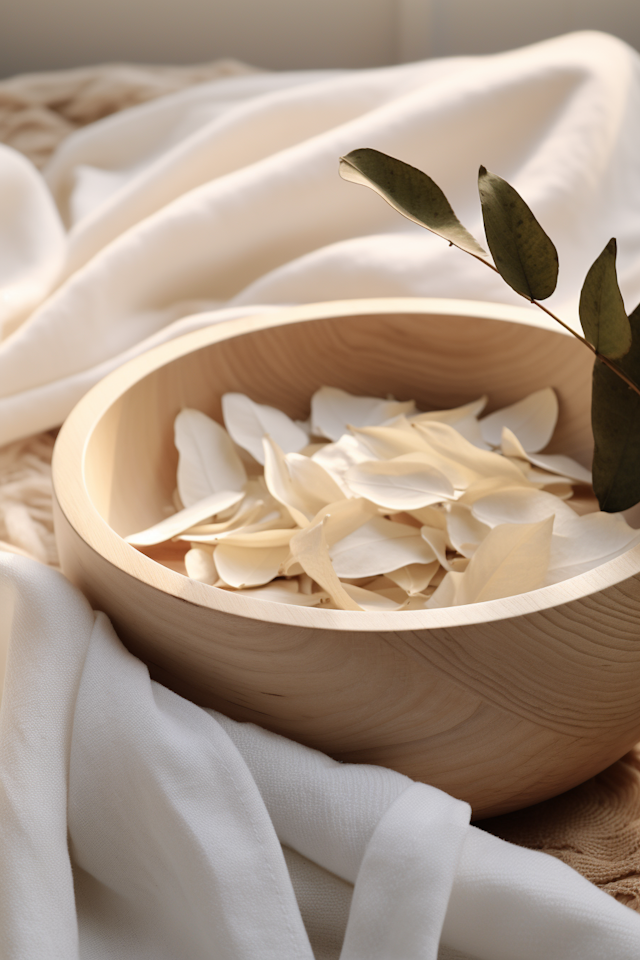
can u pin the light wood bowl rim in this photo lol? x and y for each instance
(75, 503)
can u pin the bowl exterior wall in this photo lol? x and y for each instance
(501, 714)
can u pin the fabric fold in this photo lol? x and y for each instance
(176, 816)
(404, 884)
(228, 194)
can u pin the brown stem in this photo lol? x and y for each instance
(536, 303)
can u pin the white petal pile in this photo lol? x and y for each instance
(372, 505)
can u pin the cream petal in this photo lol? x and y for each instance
(251, 517)
(512, 559)
(564, 466)
(276, 522)
(281, 486)
(386, 442)
(377, 547)
(454, 414)
(371, 600)
(543, 479)
(248, 566)
(248, 422)
(559, 573)
(399, 485)
(590, 540)
(208, 461)
(465, 530)
(342, 518)
(437, 541)
(305, 426)
(415, 577)
(310, 550)
(333, 410)
(469, 428)
(532, 419)
(464, 419)
(555, 463)
(448, 592)
(522, 506)
(177, 523)
(337, 458)
(280, 591)
(488, 485)
(431, 517)
(511, 446)
(313, 481)
(200, 565)
(244, 537)
(445, 442)
(460, 477)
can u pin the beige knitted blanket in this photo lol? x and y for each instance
(594, 828)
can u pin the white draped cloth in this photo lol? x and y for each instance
(226, 197)
(134, 824)
(192, 836)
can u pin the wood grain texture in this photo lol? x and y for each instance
(502, 703)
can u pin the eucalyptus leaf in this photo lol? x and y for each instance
(602, 314)
(523, 254)
(615, 419)
(409, 191)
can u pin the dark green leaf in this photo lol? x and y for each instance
(602, 314)
(615, 418)
(410, 192)
(523, 254)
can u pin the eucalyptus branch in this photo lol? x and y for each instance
(526, 259)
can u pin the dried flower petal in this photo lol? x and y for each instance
(448, 445)
(437, 541)
(399, 485)
(248, 422)
(177, 523)
(285, 591)
(532, 419)
(523, 506)
(371, 600)
(200, 565)
(310, 478)
(248, 566)
(512, 559)
(309, 549)
(415, 577)
(465, 530)
(377, 547)
(282, 487)
(208, 462)
(553, 462)
(586, 542)
(334, 410)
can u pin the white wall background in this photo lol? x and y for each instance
(288, 34)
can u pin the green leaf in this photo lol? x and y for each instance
(409, 191)
(602, 314)
(523, 254)
(615, 418)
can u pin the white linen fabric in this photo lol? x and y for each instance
(227, 196)
(176, 815)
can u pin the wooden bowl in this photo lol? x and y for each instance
(502, 703)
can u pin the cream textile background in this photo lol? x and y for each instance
(289, 34)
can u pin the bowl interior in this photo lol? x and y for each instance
(439, 360)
